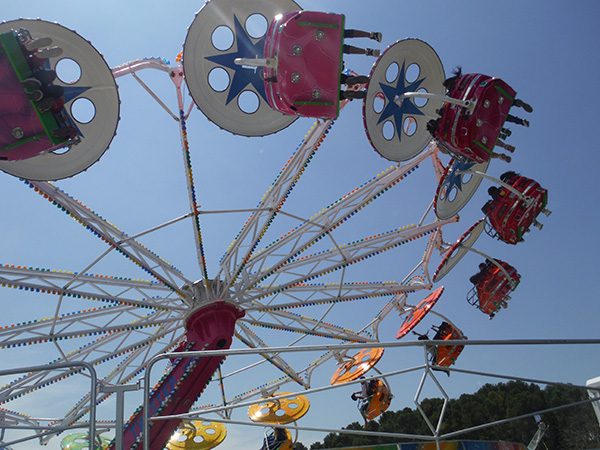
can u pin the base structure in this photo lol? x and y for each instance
(210, 327)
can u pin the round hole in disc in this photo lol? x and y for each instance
(248, 102)
(442, 195)
(256, 25)
(61, 151)
(198, 439)
(222, 38)
(378, 103)
(391, 72)
(218, 79)
(210, 431)
(412, 73)
(182, 438)
(421, 101)
(68, 71)
(83, 110)
(409, 126)
(452, 194)
(388, 130)
(292, 405)
(280, 412)
(264, 411)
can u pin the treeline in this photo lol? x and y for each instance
(573, 428)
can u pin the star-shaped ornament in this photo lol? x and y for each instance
(455, 173)
(407, 107)
(243, 76)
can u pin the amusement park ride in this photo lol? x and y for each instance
(294, 69)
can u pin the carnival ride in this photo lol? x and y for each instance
(257, 286)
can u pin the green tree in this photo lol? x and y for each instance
(569, 429)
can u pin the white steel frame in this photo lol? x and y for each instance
(428, 372)
(152, 312)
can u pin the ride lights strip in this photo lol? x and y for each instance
(106, 358)
(292, 183)
(352, 209)
(116, 245)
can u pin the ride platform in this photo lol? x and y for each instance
(472, 134)
(378, 402)
(446, 355)
(492, 287)
(511, 216)
(306, 47)
(25, 130)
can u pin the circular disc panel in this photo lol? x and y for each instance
(456, 187)
(95, 89)
(416, 315)
(358, 365)
(398, 131)
(282, 411)
(459, 250)
(232, 96)
(197, 435)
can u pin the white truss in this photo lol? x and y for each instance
(138, 319)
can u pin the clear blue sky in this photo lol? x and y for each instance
(546, 50)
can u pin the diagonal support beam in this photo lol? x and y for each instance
(251, 339)
(235, 259)
(304, 236)
(323, 263)
(103, 349)
(92, 287)
(283, 321)
(329, 294)
(151, 263)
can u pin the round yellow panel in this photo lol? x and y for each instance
(281, 411)
(357, 366)
(197, 435)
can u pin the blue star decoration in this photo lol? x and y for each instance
(242, 77)
(74, 91)
(407, 107)
(455, 173)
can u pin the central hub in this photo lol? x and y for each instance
(204, 292)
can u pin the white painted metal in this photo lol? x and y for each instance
(199, 46)
(138, 319)
(457, 187)
(406, 142)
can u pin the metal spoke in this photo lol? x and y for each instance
(320, 225)
(177, 78)
(40, 337)
(307, 325)
(233, 262)
(163, 271)
(96, 352)
(329, 294)
(251, 339)
(88, 286)
(323, 263)
(126, 371)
